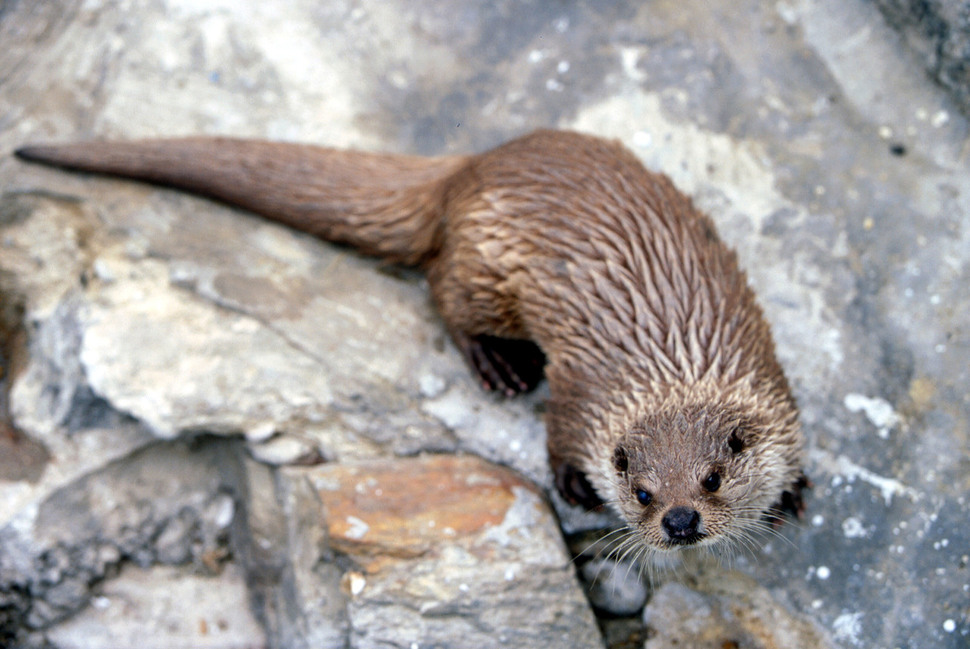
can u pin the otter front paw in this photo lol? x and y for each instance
(504, 365)
(575, 487)
(792, 502)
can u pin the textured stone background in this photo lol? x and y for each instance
(939, 32)
(174, 371)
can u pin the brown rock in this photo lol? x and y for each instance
(451, 551)
(409, 507)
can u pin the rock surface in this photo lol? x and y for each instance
(725, 610)
(939, 31)
(172, 369)
(451, 550)
(176, 603)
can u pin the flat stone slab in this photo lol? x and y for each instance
(166, 607)
(451, 549)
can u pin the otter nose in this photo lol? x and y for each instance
(681, 524)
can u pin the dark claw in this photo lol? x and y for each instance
(792, 502)
(507, 366)
(575, 487)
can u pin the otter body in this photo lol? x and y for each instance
(557, 251)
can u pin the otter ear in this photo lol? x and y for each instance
(620, 462)
(736, 441)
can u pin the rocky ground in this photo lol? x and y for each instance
(220, 433)
(938, 31)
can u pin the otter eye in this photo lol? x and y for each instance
(643, 497)
(735, 443)
(712, 482)
(619, 460)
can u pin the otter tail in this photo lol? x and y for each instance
(389, 206)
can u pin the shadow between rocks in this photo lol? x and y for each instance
(21, 458)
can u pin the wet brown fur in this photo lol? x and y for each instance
(660, 364)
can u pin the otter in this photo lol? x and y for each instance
(555, 254)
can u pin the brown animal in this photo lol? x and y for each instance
(555, 249)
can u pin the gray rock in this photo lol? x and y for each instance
(727, 611)
(182, 609)
(160, 504)
(939, 31)
(286, 449)
(615, 586)
(412, 606)
(312, 594)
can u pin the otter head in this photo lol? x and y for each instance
(702, 476)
